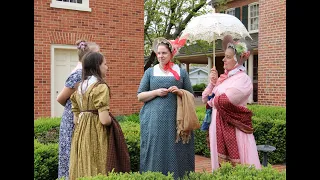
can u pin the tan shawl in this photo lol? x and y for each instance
(187, 119)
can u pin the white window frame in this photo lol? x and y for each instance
(249, 18)
(230, 10)
(72, 6)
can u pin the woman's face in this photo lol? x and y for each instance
(164, 55)
(103, 68)
(228, 60)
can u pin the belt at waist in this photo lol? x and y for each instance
(92, 111)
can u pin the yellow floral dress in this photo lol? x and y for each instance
(89, 145)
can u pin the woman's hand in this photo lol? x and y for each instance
(213, 75)
(162, 92)
(175, 90)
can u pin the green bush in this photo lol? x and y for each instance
(271, 132)
(199, 87)
(266, 130)
(268, 112)
(45, 161)
(226, 172)
(46, 130)
(131, 175)
(240, 171)
(131, 131)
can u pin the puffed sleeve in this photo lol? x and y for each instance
(100, 97)
(145, 81)
(74, 104)
(186, 81)
(240, 89)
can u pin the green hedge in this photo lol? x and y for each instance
(199, 87)
(46, 130)
(267, 130)
(226, 172)
(45, 161)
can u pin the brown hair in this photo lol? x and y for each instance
(91, 67)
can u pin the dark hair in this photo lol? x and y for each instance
(231, 46)
(167, 45)
(91, 62)
(84, 47)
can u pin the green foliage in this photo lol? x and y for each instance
(226, 172)
(131, 175)
(199, 87)
(131, 131)
(268, 112)
(271, 132)
(45, 124)
(45, 161)
(132, 118)
(266, 130)
(46, 130)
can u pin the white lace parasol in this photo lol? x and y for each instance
(212, 26)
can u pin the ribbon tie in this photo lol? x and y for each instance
(168, 66)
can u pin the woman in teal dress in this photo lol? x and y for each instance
(158, 89)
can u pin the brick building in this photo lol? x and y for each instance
(117, 26)
(266, 22)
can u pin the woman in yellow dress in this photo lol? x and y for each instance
(90, 106)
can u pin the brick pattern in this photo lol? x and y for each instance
(272, 50)
(272, 53)
(117, 26)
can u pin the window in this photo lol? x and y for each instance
(231, 11)
(253, 18)
(80, 5)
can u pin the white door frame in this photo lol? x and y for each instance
(53, 47)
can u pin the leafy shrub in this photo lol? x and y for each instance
(131, 131)
(131, 175)
(45, 161)
(226, 172)
(199, 87)
(46, 130)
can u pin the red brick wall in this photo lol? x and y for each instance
(272, 50)
(272, 53)
(116, 25)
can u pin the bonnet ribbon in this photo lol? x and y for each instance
(168, 67)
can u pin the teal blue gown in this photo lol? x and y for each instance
(158, 150)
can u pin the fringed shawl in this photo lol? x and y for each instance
(187, 119)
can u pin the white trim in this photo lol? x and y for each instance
(53, 47)
(198, 69)
(72, 6)
(249, 18)
(229, 10)
(250, 74)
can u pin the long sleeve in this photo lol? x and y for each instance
(206, 92)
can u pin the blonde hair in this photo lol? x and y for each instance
(84, 47)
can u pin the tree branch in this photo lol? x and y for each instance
(183, 23)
